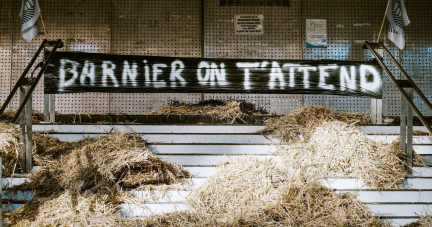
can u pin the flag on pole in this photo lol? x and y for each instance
(29, 14)
(398, 19)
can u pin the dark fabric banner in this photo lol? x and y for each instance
(72, 72)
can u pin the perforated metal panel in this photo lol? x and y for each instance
(22, 54)
(417, 55)
(6, 9)
(349, 24)
(83, 26)
(154, 28)
(172, 28)
(281, 40)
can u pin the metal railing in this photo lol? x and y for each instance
(33, 86)
(23, 75)
(407, 103)
(401, 90)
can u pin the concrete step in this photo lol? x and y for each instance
(182, 129)
(399, 196)
(199, 148)
(396, 214)
(202, 129)
(331, 182)
(224, 138)
(185, 138)
(170, 149)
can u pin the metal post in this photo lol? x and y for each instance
(401, 90)
(29, 130)
(1, 191)
(22, 153)
(21, 78)
(373, 111)
(403, 123)
(202, 35)
(52, 107)
(409, 142)
(379, 111)
(46, 107)
(38, 77)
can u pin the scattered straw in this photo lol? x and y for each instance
(425, 220)
(232, 111)
(8, 115)
(395, 149)
(302, 121)
(9, 150)
(94, 168)
(342, 150)
(70, 209)
(421, 133)
(249, 191)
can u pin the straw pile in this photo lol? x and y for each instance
(9, 150)
(71, 209)
(94, 170)
(231, 111)
(341, 150)
(249, 191)
(421, 133)
(299, 123)
(8, 115)
(425, 220)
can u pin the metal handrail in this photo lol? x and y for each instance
(401, 90)
(18, 83)
(416, 89)
(30, 91)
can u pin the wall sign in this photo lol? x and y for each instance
(72, 72)
(316, 33)
(249, 24)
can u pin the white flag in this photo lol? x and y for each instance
(398, 19)
(29, 14)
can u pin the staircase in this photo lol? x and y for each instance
(198, 148)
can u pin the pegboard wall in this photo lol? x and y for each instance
(173, 28)
(281, 40)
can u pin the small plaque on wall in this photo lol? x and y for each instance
(316, 33)
(249, 24)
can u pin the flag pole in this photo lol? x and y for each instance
(43, 24)
(382, 25)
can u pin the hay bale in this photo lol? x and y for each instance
(300, 122)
